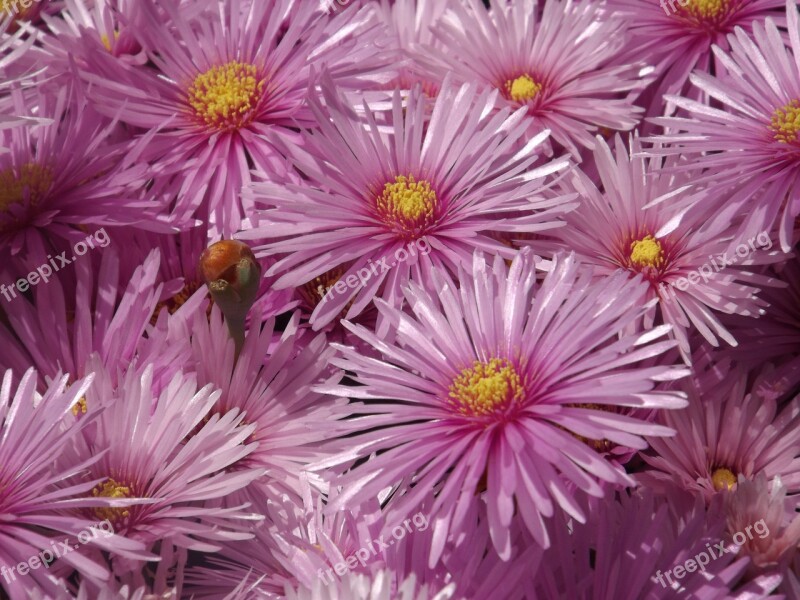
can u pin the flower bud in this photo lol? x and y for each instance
(232, 274)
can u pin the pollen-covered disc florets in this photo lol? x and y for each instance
(226, 96)
(706, 9)
(30, 183)
(408, 205)
(111, 488)
(723, 479)
(785, 123)
(523, 88)
(487, 388)
(647, 252)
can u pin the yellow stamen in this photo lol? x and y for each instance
(315, 290)
(486, 388)
(111, 489)
(178, 300)
(599, 445)
(523, 88)
(723, 479)
(80, 407)
(706, 9)
(647, 252)
(30, 181)
(786, 122)
(226, 96)
(107, 42)
(407, 203)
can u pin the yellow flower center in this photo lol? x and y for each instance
(226, 96)
(178, 300)
(407, 204)
(647, 252)
(315, 290)
(112, 489)
(29, 182)
(598, 445)
(723, 479)
(80, 407)
(107, 42)
(486, 388)
(706, 9)
(523, 88)
(786, 122)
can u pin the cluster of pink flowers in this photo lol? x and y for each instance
(400, 299)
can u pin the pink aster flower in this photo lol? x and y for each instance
(773, 538)
(98, 315)
(270, 383)
(554, 60)
(494, 381)
(34, 502)
(392, 205)
(749, 147)
(49, 185)
(171, 454)
(638, 224)
(676, 36)
(226, 83)
(87, 26)
(727, 431)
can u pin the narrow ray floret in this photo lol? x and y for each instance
(489, 393)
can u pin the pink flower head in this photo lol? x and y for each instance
(677, 36)
(726, 432)
(638, 225)
(749, 147)
(49, 186)
(392, 205)
(89, 26)
(170, 454)
(553, 59)
(226, 83)
(36, 431)
(486, 387)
